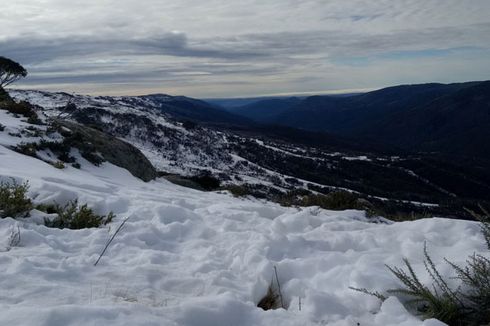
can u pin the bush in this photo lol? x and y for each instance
(238, 191)
(468, 305)
(398, 211)
(438, 301)
(338, 200)
(22, 108)
(34, 120)
(73, 216)
(484, 223)
(2, 127)
(206, 181)
(29, 149)
(13, 200)
(59, 165)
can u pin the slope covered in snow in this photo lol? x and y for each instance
(186, 257)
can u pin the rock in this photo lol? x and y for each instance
(93, 142)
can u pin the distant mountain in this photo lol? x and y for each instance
(266, 110)
(231, 104)
(186, 108)
(268, 160)
(427, 117)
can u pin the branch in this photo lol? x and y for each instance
(110, 240)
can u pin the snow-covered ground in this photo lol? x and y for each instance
(192, 258)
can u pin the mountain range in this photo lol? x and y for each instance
(444, 118)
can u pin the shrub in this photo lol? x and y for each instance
(398, 211)
(22, 108)
(29, 149)
(34, 120)
(73, 216)
(76, 165)
(59, 165)
(338, 200)
(437, 301)
(484, 223)
(206, 181)
(47, 208)
(476, 278)
(13, 200)
(238, 191)
(2, 127)
(468, 305)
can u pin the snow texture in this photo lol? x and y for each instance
(193, 258)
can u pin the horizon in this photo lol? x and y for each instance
(245, 49)
(251, 97)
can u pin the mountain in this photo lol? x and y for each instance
(190, 109)
(181, 257)
(427, 117)
(267, 161)
(265, 110)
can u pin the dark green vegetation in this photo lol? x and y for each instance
(10, 72)
(74, 216)
(13, 199)
(15, 203)
(468, 305)
(24, 109)
(427, 117)
(266, 110)
(450, 185)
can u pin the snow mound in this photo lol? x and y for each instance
(186, 257)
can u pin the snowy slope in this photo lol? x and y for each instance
(173, 148)
(167, 144)
(191, 258)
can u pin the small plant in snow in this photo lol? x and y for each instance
(59, 165)
(73, 216)
(468, 305)
(273, 298)
(484, 223)
(14, 238)
(13, 199)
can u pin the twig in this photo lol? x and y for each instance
(14, 238)
(110, 240)
(279, 287)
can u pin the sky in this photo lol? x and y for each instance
(230, 48)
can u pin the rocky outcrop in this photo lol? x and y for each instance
(91, 142)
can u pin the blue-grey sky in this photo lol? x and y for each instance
(231, 48)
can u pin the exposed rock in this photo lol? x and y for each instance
(112, 149)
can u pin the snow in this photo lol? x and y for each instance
(191, 258)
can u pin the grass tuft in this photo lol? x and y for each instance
(73, 216)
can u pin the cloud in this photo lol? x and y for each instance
(272, 46)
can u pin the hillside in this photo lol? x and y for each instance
(427, 117)
(275, 162)
(192, 258)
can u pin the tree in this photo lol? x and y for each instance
(10, 72)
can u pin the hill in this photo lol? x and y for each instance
(427, 117)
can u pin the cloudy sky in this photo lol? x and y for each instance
(231, 48)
